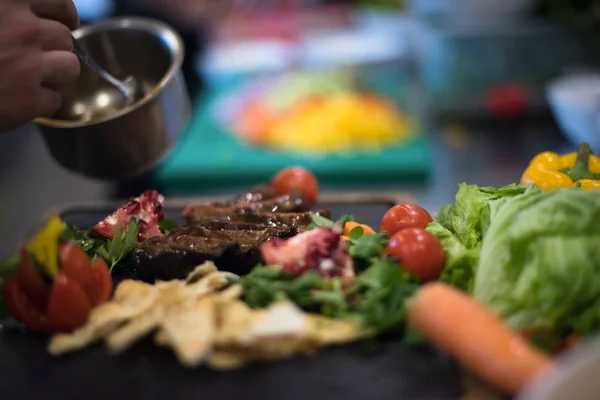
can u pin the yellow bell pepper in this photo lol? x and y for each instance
(44, 246)
(549, 170)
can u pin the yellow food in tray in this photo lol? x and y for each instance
(327, 124)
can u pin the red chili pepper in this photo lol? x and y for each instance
(64, 304)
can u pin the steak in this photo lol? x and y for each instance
(227, 233)
(177, 254)
(293, 202)
(214, 216)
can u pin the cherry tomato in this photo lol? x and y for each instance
(404, 216)
(31, 282)
(21, 308)
(420, 253)
(297, 178)
(68, 306)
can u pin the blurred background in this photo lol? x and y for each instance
(403, 95)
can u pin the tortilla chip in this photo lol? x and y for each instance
(65, 343)
(132, 293)
(133, 331)
(231, 293)
(191, 331)
(102, 321)
(201, 271)
(234, 320)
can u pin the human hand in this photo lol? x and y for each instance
(35, 58)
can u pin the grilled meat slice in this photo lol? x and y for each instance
(293, 202)
(221, 217)
(175, 255)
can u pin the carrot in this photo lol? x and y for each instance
(475, 336)
(367, 230)
(345, 238)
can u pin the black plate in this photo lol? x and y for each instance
(393, 371)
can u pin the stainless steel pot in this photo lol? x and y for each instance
(90, 134)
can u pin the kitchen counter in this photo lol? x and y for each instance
(485, 154)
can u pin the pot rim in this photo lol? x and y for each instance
(160, 30)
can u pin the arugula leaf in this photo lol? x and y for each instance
(122, 245)
(319, 221)
(344, 219)
(383, 291)
(267, 284)
(368, 246)
(356, 233)
(167, 225)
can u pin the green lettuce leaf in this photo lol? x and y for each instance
(539, 265)
(459, 269)
(462, 226)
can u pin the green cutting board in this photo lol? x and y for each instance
(208, 160)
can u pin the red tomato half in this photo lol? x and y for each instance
(404, 216)
(420, 253)
(76, 289)
(68, 307)
(103, 282)
(94, 279)
(31, 282)
(21, 308)
(297, 178)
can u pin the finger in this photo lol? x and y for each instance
(59, 68)
(49, 101)
(55, 36)
(63, 11)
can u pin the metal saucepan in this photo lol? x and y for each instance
(94, 134)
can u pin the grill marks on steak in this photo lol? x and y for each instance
(227, 233)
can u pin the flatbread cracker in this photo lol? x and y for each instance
(133, 331)
(191, 331)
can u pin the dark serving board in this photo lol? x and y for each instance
(393, 371)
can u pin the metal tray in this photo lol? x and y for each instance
(392, 371)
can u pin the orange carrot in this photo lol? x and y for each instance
(475, 336)
(345, 238)
(367, 230)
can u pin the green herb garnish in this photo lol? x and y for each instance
(166, 226)
(81, 238)
(114, 251)
(319, 221)
(376, 299)
(124, 242)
